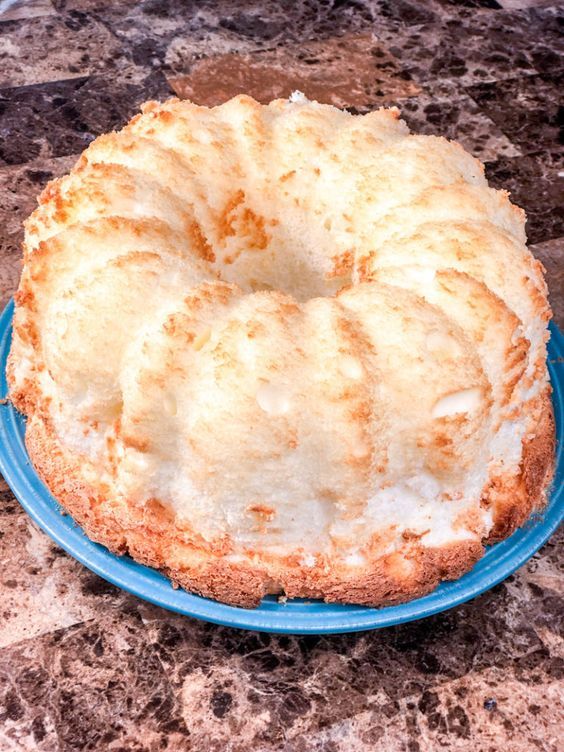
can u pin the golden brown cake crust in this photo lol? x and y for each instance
(526, 494)
(149, 535)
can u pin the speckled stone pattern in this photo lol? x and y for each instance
(84, 666)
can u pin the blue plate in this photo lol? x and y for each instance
(295, 616)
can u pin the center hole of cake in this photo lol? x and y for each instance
(262, 251)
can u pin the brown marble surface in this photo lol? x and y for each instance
(84, 666)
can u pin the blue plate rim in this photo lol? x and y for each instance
(295, 616)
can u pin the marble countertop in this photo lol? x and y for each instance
(84, 666)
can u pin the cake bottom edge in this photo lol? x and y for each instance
(154, 540)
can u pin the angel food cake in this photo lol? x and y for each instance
(284, 349)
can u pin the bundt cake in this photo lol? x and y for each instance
(284, 349)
